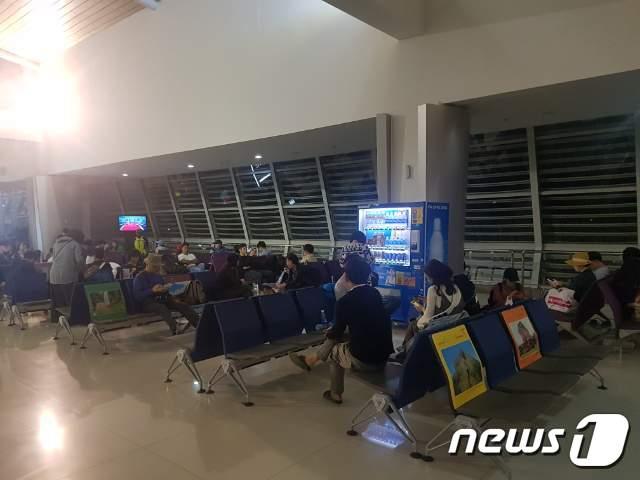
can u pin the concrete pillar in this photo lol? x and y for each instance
(58, 203)
(443, 147)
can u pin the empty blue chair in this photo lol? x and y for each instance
(240, 325)
(79, 308)
(243, 341)
(133, 307)
(283, 323)
(496, 351)
(280, 315)
(311, 302)
(208, 282)
(207, 344)
(399, 385)
(554, 365)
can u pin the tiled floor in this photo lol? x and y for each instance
(74, 414)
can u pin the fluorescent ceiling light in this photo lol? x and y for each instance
(125, 174)
(191, 165)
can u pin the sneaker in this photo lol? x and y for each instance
(183, 329)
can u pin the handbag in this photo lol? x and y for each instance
(561, 300)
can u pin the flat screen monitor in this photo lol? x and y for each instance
(132, 223)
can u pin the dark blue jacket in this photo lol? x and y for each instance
(143, 283)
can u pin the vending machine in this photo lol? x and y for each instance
(397, 237)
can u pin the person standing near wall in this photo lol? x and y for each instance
(68, 261)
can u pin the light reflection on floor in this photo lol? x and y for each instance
(50, 433)
(384, 434)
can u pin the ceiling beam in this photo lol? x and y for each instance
(399, 18)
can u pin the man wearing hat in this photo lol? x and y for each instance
(582, 282)
(152, 293)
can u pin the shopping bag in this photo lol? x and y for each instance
(561, 300)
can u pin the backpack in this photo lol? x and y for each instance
(103, 274)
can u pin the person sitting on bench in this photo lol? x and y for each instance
(370, 343)
(229, 284)
(507, 291)
(296, 276)
(150, 290)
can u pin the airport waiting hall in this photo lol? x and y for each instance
(324, 239)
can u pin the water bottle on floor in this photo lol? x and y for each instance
(323, 321)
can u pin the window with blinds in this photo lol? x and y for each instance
(132, 196)
(350, 182)
(588, 154)
(217, 186)
(185, 192)
(498, 188)
(344, 221)
(227, 225)
(507, 219)
(307, 223)
(587, 178)
(157, 194)
(264, 224)
(299, 183)
(166, 224)
(255, 185)
(350, 179)
(603, 218)
(302, 201)
(499, 163)
(194, 225)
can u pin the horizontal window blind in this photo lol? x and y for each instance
(132, 196)
(185, 192)
(499, 163)
(307, 224)
(604, 218)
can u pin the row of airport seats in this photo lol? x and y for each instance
(592, 305)
(31, 295)
(513, 395)
(251, 331)
(79, 312)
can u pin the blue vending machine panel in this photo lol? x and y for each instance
(396, 237)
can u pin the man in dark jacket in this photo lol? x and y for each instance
(151, 292)
(370, 337)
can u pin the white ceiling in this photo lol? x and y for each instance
(409, 18)
(344, 138)
(33, 30)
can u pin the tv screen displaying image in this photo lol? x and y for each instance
(132, 223)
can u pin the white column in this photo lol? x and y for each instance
(443, 147)
(58, 204)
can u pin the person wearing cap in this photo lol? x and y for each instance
(581, 283)
(506, 292)
(152, 293)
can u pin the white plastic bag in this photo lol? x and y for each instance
(561, 300)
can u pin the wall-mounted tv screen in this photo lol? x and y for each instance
(132, 223)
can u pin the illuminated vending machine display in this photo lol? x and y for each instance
(396, 237)
(388, 232)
